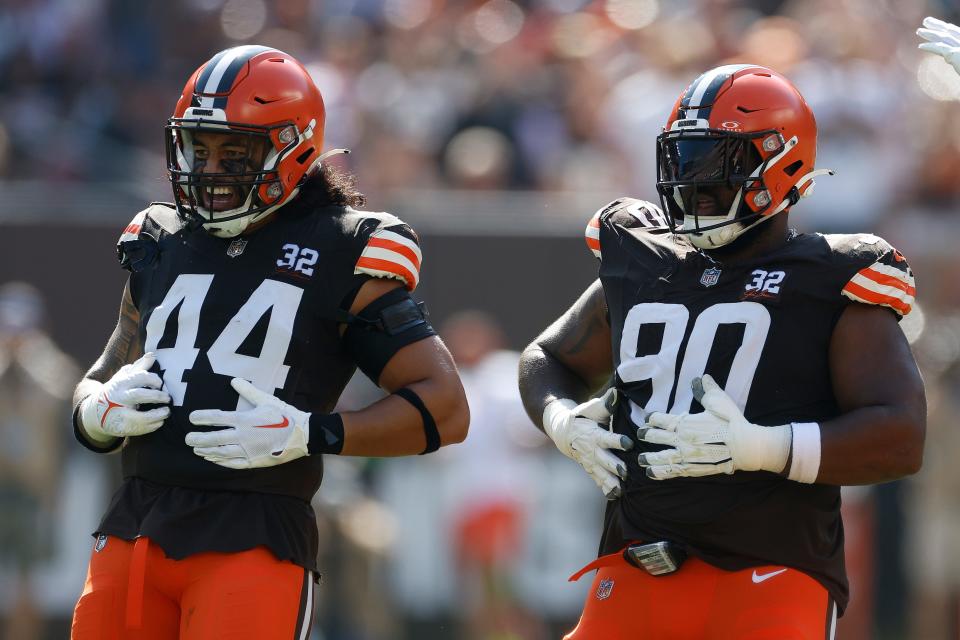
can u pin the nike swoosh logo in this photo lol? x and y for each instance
(104, 401)
(758, 577)
(279, 425)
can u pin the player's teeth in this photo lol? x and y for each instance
(222, 191)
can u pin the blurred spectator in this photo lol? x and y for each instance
(932, 548)
(480, 551)
(35, 384)
(491, 482)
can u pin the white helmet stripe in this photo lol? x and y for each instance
(226, 69)
(214, 79)
(704, 82)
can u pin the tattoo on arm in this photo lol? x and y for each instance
(122, 348)
(583, 324)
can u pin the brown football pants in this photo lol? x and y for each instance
(702, 602)
(134, 592)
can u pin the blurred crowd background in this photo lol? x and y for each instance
(496, 127)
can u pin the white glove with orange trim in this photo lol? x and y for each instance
(943, 39)
(719, 440)
(112, 411)
(580, 434)
(271, 433)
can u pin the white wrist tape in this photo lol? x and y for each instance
(805, 463)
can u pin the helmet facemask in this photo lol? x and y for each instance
(245, 190)
(711, 181)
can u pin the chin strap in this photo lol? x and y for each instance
(806, 193)
(323, 156)
(331, 152)
(793, 198)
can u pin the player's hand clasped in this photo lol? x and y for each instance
(942, 39)
(271, 433)
(580, 434)
(719, 440)
(113, 412)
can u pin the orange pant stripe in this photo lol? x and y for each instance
(134, 592)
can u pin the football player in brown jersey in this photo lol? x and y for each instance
(250, 303)
(752, 371)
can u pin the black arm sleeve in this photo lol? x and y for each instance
(382, 328)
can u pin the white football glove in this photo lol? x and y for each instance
(943, 39)
(719, 440)
(580, 433)
(112, 411)
(271, 433)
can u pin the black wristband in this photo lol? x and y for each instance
(429, 426)
(326, 433)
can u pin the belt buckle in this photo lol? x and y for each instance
(656, 558)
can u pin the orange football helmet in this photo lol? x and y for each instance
(259, 94)
(739, 147)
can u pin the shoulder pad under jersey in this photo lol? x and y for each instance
(137, 244)
(878, 273)
(630, 213)
(389, 248)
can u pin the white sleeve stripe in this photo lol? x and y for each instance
(596, 252)
(856, 298)
(379, 273)
(882, 289)
(887, 270)
(380, 253)
(593, 232)
(399, 239)
(901, 308)
(128, 233)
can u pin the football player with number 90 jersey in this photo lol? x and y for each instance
(251, 301)
(750, 372)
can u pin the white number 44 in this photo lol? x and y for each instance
(266, 371)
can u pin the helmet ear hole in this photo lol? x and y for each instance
(792, 168)
(302, 158)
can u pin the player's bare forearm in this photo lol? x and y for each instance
(877, 384)
(393, 426)
(571, 359)
(122, 348)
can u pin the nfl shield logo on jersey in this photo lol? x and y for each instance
(236, 248)
(710, 277)
(604, 589)
(101, 542)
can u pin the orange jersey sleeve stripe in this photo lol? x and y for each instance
(132, 228)
(403, 250)
(594, 222)
(890, 281)
(593, 243)
(378, 264)
(876, 298)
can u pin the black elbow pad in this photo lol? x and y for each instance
(382, 328)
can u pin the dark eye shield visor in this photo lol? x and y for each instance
(711, 162)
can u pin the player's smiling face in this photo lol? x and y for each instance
(232, 153)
